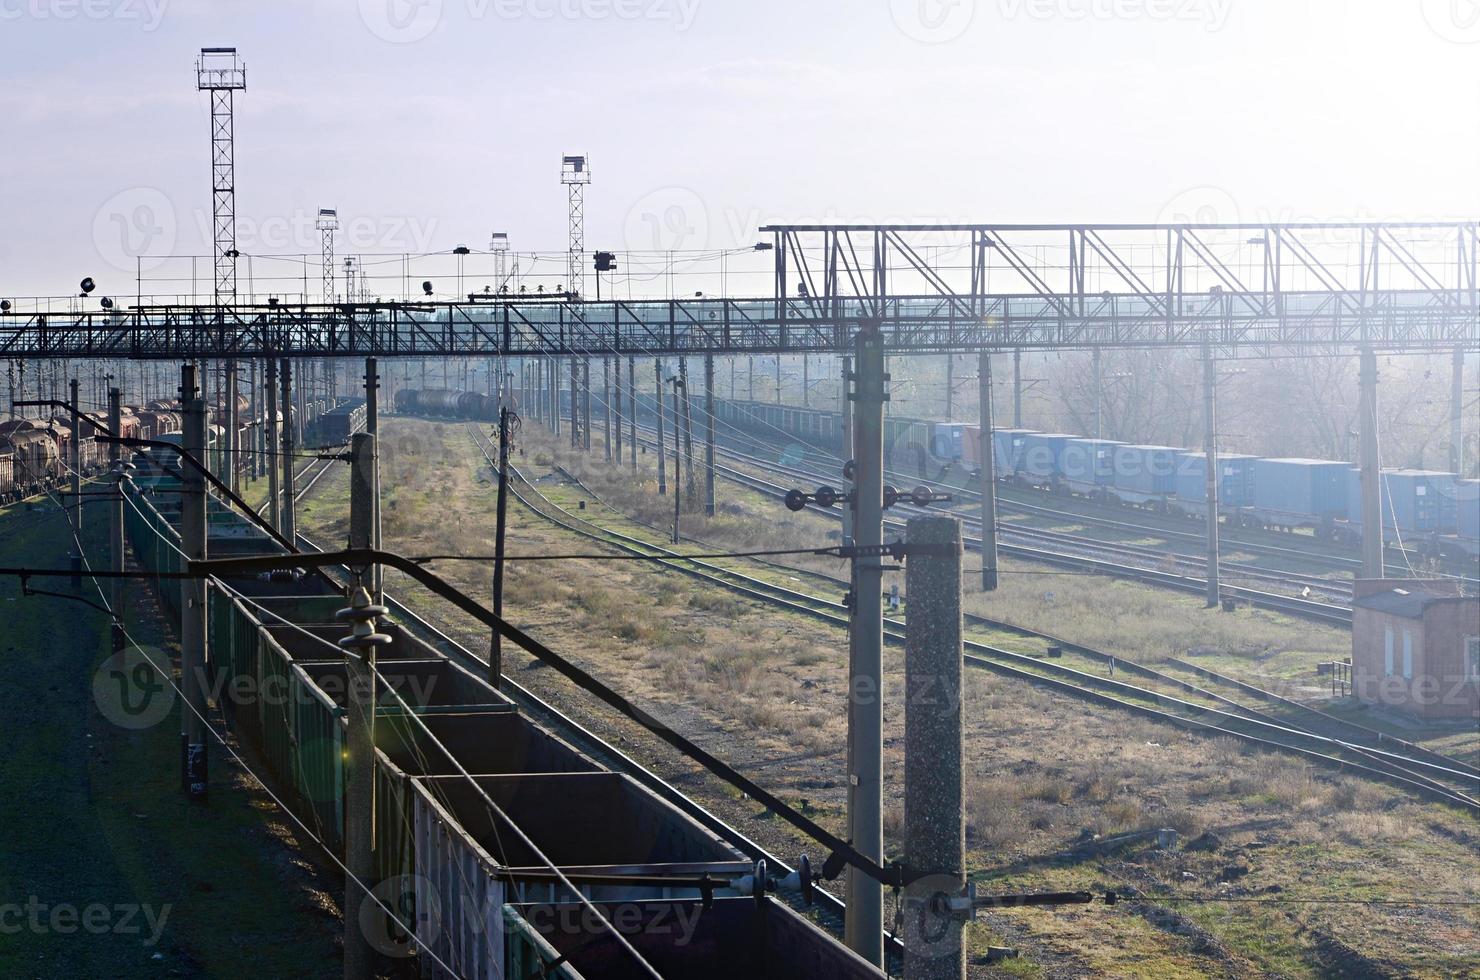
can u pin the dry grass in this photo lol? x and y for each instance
(767, 692)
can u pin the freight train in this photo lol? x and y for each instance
(1435, 512)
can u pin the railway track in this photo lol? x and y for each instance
(1324, 612)
(1450, 782)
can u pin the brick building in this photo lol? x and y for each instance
(1416, 647)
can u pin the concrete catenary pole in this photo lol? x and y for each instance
(74, 505)
(586, 403)
(115, 513)
(989, 474)
(273, 446)
(632, 415)
(845, 413)
(359, 665)
(688, 423)
(372, 426)
(658, 408)
(709, 434)
(1457, 412)
(289, 529)
(617, 410)
(1017, 387)
(606, 406)
(1371, 475)
(1210, 449)
(934, 827)
(496, 641)
(254, 427)
(863, 927)
(233, 426)
(193, 590)
(677, 462)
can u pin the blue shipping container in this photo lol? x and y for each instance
(1467, 509)
(1146, 469)
(1007, 449)
(1310, 488)
(1235, 480)
(1040, 458)
(1089, 462)
(1413, 501)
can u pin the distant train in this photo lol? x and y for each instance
(1434, 511)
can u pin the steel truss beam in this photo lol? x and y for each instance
(1240, 288)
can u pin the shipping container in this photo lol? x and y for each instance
(1039, 464)
(1088, 463)
(1413, 501)
(1235, 479)
(1007, 448)
(1145, 470)
(1467, 509)
(1300, 492)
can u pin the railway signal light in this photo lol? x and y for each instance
(605, 261)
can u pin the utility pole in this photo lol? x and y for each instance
(845, 412)
(632, 415)
(865, 913)
(688, 422)
(658, 407)
(273, 447)
(359, 667)
(1017, 387)
(193, 590)
(989, 474)
(606, 405)
(586, 403)
(617, 410)
(950, 387)
(1457, 412)
(934, 824)
(1099, 389)
(496, 642)
(74, 508)
(1210, 451)
(372, 426)
(1371, 474)
(233, 426)
(289, 528)
(677, 462)
(575, 403)
(254, 429)
(709, 434)
(115, 515)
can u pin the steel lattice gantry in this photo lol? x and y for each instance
(1238, 288)
(221, 73)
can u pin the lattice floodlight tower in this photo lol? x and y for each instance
(327, 223)
(220, 72)
(499, 246)
(575, 173)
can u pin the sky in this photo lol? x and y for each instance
(431, 123)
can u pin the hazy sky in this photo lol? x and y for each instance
(432, 122)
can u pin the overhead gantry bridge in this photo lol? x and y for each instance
(1237, 288)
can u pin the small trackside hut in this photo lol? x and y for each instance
(1416, 648)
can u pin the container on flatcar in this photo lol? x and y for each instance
(1300, 492)
(1235, 479)
(1007, 450)
(1467, 510)
(1085, 464)
(1149, 470)
(1039, 463)
(1413, 501)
